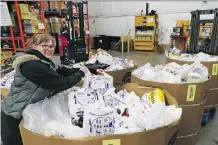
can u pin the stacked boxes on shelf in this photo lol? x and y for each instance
(54, 5)
(63, 5)
(45, 5)
(30, 21)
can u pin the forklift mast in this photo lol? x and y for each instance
(77, 44)
(195, 28)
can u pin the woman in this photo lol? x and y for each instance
(36, 78)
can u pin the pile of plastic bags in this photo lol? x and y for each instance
(7, 80)
(50, 117)
(173, 73)
(191, 57)
(89, 111)
(114, 63)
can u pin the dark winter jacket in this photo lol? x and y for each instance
(36, 78)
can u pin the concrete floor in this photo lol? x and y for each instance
(208, 135)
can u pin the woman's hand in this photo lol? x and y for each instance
(84, 69)
(100, 71)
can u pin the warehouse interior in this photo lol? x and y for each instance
(109, 72)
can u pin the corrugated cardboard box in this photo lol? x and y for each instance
(35, 20)
(122, 76)
(53, 5)
(26, 15)
(212, 98)
(45, 5)
(160, 136)
(191, 97)
(22, 7)
(36, 29)
(187, 140)
(28, 28)
(63, 5)
(5, 92)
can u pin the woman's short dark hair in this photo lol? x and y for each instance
(43, 38)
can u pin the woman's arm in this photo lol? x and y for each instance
(42, 75)
(64, 71)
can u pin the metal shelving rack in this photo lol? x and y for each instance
(12, 39)
(22, 35)
(13, 50)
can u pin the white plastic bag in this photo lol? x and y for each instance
(140, 71)
(99, 120)
(194, 57)
(114, 67)
(79, 99)
(92, 59)
(156, 117)
(112, 99)
(136, 112)
(119, 64)
(103, 57)
(126, 125)
(7, 80)
(99, 83)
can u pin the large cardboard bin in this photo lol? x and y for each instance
(122, 76)
(212, 97)
(187, 140)
(191, 97)
(161, 136)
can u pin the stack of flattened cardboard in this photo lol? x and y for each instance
(212, 97)
(192, 98)
(161, 136)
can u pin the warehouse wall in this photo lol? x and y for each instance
(117, 18)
